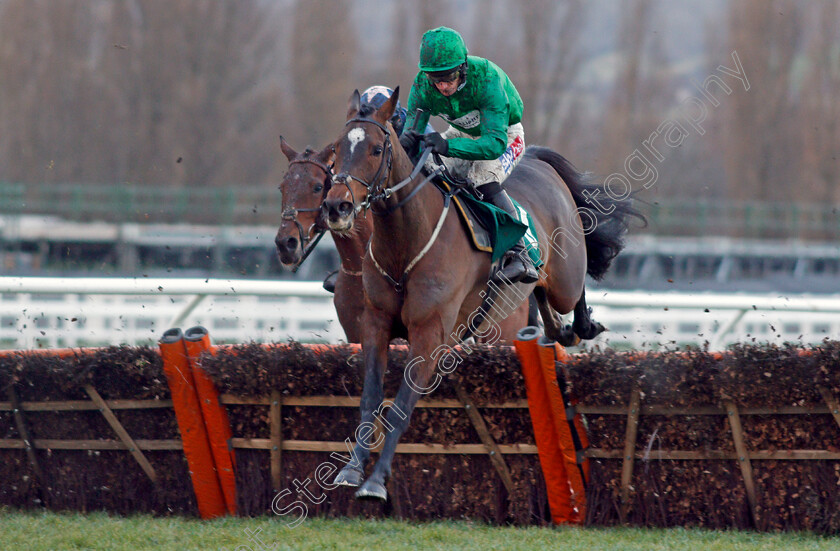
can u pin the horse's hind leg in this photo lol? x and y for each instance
(533, 310)
(584, 326)
(553, 326)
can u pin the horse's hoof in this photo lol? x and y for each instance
(371, 490)
(567, 336)
(593, 330)
(349, 476)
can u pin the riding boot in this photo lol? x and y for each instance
(329, 281)
(516, 265)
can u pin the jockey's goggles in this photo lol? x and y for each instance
(443, 77)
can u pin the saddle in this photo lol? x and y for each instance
(491, 229)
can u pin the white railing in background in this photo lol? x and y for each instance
(72, 312)
(640, 319)
(68, 312)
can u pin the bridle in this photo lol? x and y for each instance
(290, 214)
(383, 172)
(375, 191)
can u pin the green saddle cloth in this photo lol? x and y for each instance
(505, 230)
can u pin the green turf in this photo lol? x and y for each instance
(50, 531)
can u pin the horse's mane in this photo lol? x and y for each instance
(366, 110)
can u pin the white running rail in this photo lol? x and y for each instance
(72, 312)
(47, 312)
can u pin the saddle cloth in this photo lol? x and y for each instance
(491, 229)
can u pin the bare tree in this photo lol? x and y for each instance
(158, 91)
(404, 53)
(191, 85)
(553, 55)
(194, 93)
(760, 142)
(323, 53)
(45, 98)
(622, 112)
(821, 110)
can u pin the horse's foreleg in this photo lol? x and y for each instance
(533, 310)
(395, 424)
(375, 353)
(584, 326)
(417, 381)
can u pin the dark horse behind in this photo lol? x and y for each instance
(304, 186)
(423, 277)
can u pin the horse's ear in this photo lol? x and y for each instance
(354, 104)
(327, 155)
(386, 110)
(287, 149)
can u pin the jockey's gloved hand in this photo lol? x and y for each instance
(409, 141)
(436, 143)
(398, 123)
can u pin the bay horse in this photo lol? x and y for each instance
(422, 276)
(304, 186)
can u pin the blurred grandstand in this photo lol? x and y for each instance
(228, 232)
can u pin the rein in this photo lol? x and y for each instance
(290, 215)
(375, 191)
(387, 192)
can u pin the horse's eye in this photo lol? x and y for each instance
(318, 188)
(377, 150)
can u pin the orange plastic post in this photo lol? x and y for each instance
(545, 433)
(216, 422)
(208, 492)
(564, 358)
(568, 433)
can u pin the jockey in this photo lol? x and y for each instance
(485, 138)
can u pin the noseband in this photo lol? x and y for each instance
(290, 214)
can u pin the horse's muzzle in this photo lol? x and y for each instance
(342, 178)
(339, 214)
(288, 249)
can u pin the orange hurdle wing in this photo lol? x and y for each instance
(545, 432)
(568, 434)
(216, 422)
(208, 492)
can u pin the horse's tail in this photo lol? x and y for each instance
(605, 220)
